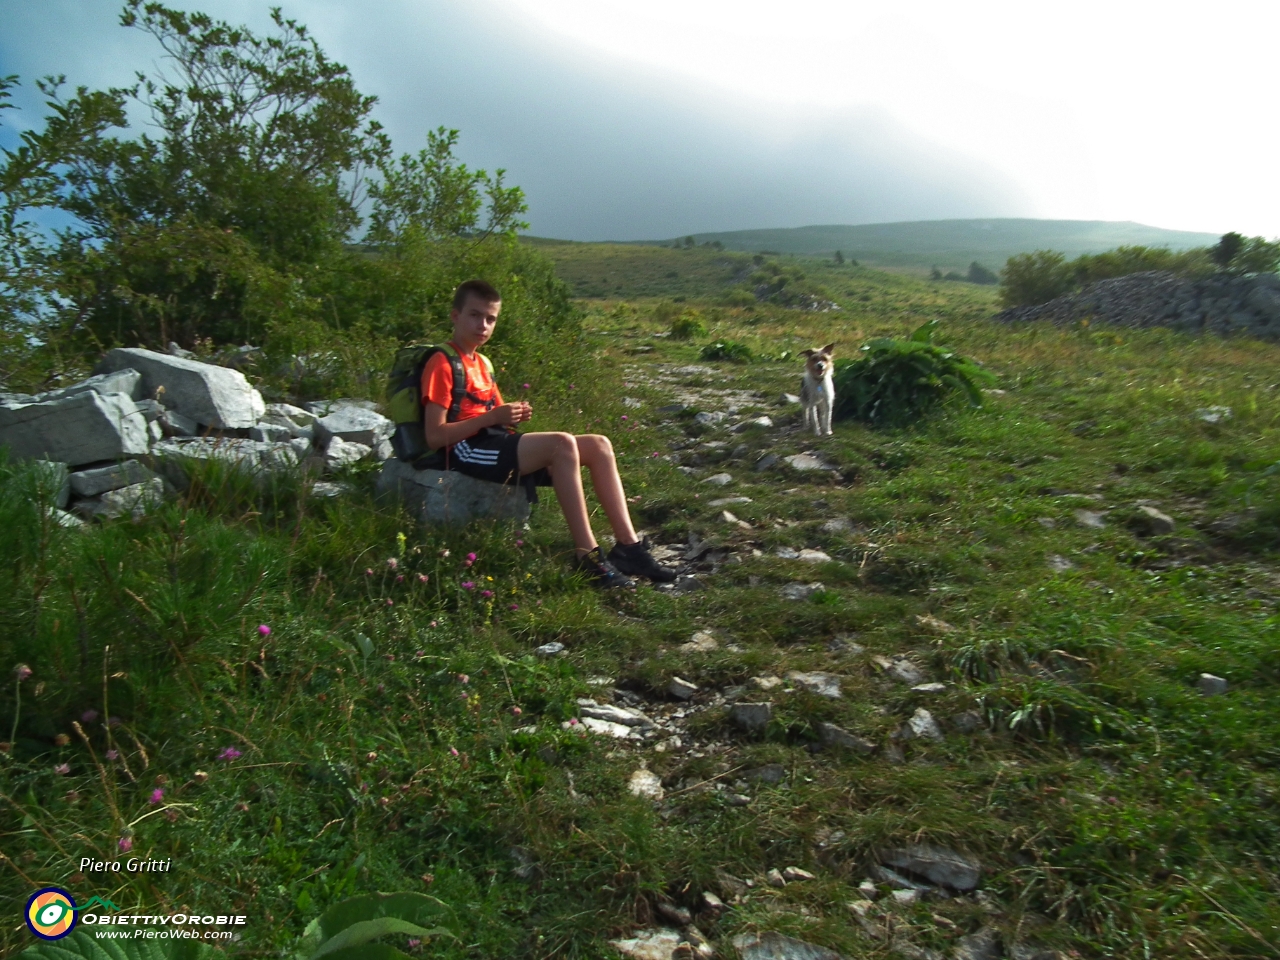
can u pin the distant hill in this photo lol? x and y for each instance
(954, 244)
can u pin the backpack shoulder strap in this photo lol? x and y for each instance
(459, 381)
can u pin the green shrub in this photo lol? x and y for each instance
(896, 381)
(688, 325)
(730, 350)
(1029, 279)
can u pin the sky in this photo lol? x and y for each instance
(625, 120)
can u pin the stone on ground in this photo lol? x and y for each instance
(135, 500)
(934, 625)
(801, 591)
(211, 395)
(355, 425)
(1059, 564)
(751, 717)
(766, 462)
(775, 946)
(983, 945)
(921, 725)
(837, 525)
(649, 945)
(340, 453)
(940, 865)
(823, 684)
(813, 556)
(1153, 523)
(552, 649)
(91, 483)
(75, 430)
(701, 642)
(805, 462)
(796, 875)
(719, 479)
(762, 422)
(254, 455)
(681, 689)
(900, 668)
(833, 736)
(607, 728)
(272, 432)
(646, 783)
(1210, 686)
(1091, 519)
(614, 714)
(446, 496)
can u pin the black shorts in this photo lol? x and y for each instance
(492, 455)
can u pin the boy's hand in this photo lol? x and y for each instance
(509, 414)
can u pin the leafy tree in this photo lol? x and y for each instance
(1034, 278)
(839, 258)
(935, 273)
(1226, 249)
(1256, 255)
(980, 274)
(233, 218)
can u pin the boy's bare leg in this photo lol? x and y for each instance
(596, 454)
(558, 452)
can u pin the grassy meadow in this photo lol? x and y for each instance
(298, 699)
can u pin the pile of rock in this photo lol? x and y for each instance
(116, 442)
(1219, 304)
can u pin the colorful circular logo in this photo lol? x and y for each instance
(51, 913)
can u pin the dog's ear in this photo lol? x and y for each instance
(828, 348)
(807, 353)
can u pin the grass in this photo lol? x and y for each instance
(1117, 813)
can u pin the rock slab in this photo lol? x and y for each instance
(939, 865)
(449, 497)
(210, 395)
(776, 946)
(75, 430)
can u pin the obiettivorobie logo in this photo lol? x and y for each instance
(51, 913)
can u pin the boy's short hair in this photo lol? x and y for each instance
(483, 289)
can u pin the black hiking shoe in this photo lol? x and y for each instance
(601, 572)
(635, 560)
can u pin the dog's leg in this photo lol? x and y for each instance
(826, 415)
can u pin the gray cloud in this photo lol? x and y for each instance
(603, 150)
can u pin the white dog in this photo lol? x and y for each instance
(818, 390)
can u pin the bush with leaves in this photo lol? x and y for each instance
(232, 219)
(897, 381)
(688, 325)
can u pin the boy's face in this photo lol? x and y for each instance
(473, 324)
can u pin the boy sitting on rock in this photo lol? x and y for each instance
(482, 442)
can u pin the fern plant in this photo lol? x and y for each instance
(898, 381)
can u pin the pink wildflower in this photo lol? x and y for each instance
(112, 754)
(62, 769)
(463, 678)
(519, 543)
(471, 557)
(524, 386)
(157, 796)
(423, 578)
(125, 844)
(392, 562)
(516, 711)
(400, 578)
(486, 594)
(21, 671)
(468, 585)
(435, 623)
(573, 721)
(390, 602)
(264, 630)
(454, 751)
(572, 387)
(467, 563)
(413, 943)
(230, 753)
(515, 606)
(89, 716)
(624, 416)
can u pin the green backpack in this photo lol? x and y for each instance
(404, 398)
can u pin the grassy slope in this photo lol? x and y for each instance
(1118, 813)
(954, 244)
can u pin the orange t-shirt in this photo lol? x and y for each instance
(437, 384)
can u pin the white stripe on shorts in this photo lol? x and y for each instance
(467, 454)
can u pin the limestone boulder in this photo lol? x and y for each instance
(210, 395)
(75, 430)
(171, 458)
(127, 381)
(91, 483)
(134, 500)
(449, 497)
(354, 425)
